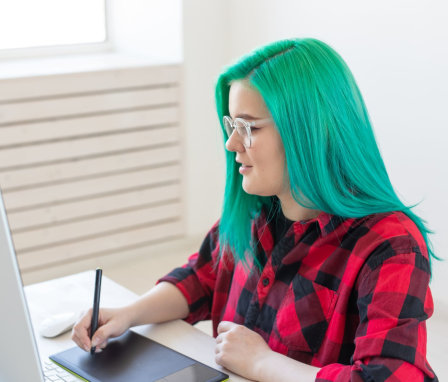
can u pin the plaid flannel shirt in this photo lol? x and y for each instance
(348, 295)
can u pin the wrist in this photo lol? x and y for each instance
(130, 315)
(262, 362)
(278, 367)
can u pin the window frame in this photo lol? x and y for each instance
(62, 50)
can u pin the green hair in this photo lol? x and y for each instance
(333, 161)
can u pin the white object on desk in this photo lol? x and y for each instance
(57, 324)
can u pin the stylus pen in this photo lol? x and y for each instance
(96, 306)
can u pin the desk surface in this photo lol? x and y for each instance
(75, 293)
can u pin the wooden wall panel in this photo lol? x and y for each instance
(101, 246)
(108, 123)
(71, 232)
(84, 105)
(88, 82)
(90, 163)
(84, 147)
(63, 171)
(80, 210)
(83, 189)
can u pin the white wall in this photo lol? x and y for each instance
(205, 49)
(147, 28)
(193, 31)
(397, 52)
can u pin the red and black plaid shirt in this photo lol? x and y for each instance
(348, 295)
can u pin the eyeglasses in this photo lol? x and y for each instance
(243, 128)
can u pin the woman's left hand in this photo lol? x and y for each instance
(240, 349)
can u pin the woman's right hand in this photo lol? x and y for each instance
(111, 323)
(170, 304)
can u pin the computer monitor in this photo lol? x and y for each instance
(19, 357)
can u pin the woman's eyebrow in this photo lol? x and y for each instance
(246, 116)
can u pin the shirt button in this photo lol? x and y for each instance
(265, 281)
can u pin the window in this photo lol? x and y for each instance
(51, 23)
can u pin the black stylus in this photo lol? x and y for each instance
(96, 306)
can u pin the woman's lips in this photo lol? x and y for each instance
(244, 169)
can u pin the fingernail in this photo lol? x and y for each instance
(86, 347)
(95, 342)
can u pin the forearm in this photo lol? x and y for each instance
(278, 367)
(162, 303)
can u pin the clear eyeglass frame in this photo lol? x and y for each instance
(243, 128)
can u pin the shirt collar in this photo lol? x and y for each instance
(325, 221)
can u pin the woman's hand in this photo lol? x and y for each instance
(111, 323)
(240, 349)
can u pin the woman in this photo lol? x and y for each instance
(316, 269)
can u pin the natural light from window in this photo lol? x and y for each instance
(44, 23)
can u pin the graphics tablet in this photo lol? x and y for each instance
(133, 357)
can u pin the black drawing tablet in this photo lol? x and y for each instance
(132, 357)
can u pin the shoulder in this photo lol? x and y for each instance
(392, 224)
(393, 236)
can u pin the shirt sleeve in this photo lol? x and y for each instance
(394, 301)
(197, 278)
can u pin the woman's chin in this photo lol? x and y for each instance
(248, 189)
(252, 190)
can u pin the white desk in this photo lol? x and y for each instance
(75, 293)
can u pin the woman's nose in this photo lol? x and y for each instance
(234, 142)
